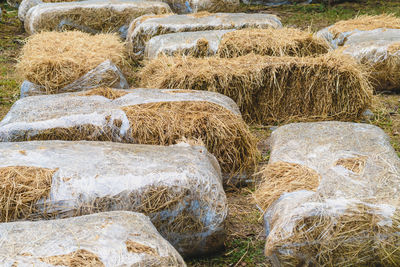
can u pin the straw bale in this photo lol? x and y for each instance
(143, 116)
(351, 217)
(143, 29)
(89, 16)
(271, 42)
(105, 239)
(378, 50)
(56, 59)
(179, 187)
(271, 89)
(197, 44)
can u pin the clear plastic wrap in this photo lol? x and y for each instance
(201, 43)
(179, 187)
(142, 29)
(352, 218)
(109, 239)
(25, 6)
(144, 116)
(106, 74)
(91, 16)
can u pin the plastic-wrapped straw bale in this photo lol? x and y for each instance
(179, 187)
(142, 29)
(373, 41)
(108, 239)
(90, 16)
(199, 44)
(144, 116)
(105, 74)
(331, 198)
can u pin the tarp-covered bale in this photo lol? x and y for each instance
(105, 74)
(234, 43)
(109, 239)
(193, 6)
(271, 89)
(179, 187)
(338, 33)
(272, 42)
(90, 16)
(144, 116)
(336, 186)
(198, 44)
(71, 61)
(142, 29)
(373, 41)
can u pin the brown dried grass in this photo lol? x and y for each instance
(271, 42)
(135, 247)
(355, 238)
(224, 134)
(283, 177)
(366, 23)
(79, 258)
(355, 164)
(55, 59)
(271, 89)
(21, 188)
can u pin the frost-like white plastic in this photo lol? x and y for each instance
(183, 43)
(105, 74)
(90, 16)
(105, 176)
(373, 189)
(143, 29)
(105, 235)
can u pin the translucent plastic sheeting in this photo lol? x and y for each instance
(108, 239)
(91, 16)
(179, 187)
(354, 206)
(142, 29)
(201, 43)
(104, 75)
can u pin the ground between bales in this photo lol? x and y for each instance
(245, 241)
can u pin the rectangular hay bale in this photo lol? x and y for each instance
(271, 89)
(330, 193)
(89, 16)
(143, 116)
(108, 239)
(179, 187)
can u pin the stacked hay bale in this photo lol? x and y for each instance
(374, 41)
(58, 62)
(99, 240)
(271, 89)
(142, 29)
(194, 6)
(89, 16)
(179, 187)
(234, 43)
(330, 193)
(158, 117)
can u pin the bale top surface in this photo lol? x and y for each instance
(55, 59)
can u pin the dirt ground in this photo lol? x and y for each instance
(245, 231)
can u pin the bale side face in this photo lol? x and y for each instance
(56, 59)
(89, 16)
(271, 89)
(271, 42)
